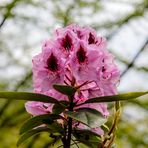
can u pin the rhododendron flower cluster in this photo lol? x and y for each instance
(75, 56)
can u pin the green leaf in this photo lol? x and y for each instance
(56, 128)
(31, 133)
(120, 97)
(87, 137)
(27, 96)
(65, 89)
(39, 120)
(59, 108)
(90, 117)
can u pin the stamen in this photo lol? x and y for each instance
(68, 78)
(66, 82)
(85, 83)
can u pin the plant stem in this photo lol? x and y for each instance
(64, 137)
(68, 139)
(114, 126)
(69, 132)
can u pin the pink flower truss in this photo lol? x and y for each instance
(77, 55)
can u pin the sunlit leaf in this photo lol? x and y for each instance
(120, 97)
(88, 116)
(27, 96)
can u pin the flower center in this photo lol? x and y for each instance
(81, 55)
(91, 39)
(67, 42)
(52, 63)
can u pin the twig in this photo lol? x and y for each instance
(9, 8)
(134, 59)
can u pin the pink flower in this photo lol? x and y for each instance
(75, 56)
(85, 62)
(66, 42)
(37, 108)
(47, 69)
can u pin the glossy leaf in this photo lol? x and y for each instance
(87, 137)
(31, 133)
(59, 108)
(55, 127)
(119, 97)
(27, 96)
(88, 116)
(65, 89)
(38, 120)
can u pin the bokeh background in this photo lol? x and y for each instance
(25, 24)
